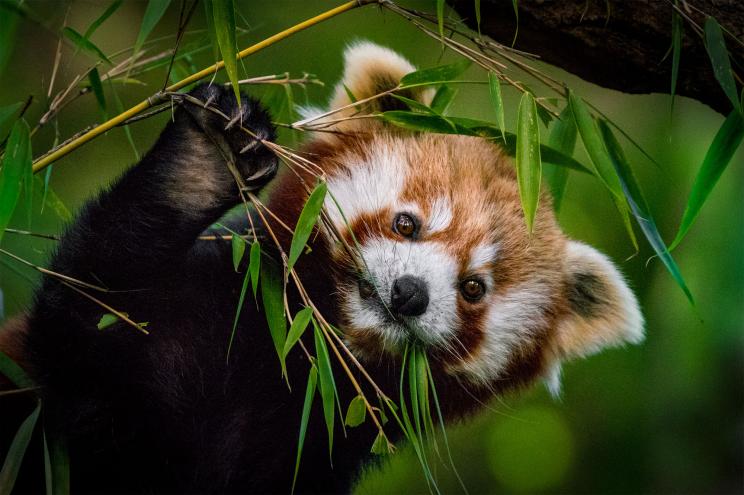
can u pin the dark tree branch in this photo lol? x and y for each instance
(621, 48)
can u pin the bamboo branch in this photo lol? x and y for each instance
(47, 160)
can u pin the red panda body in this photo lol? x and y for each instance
(441, 257)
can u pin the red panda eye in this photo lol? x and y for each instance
(472, 289)
(405, 225)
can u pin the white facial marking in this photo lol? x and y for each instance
(366, 187)
(441, 215)
(387, 260)
(482, 255)
(509, 322)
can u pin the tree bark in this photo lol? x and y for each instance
(618, 44)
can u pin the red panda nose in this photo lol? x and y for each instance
(410, 296)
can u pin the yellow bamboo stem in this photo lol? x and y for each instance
(47, 160)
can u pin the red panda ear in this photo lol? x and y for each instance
(369, 69)
(601, 309)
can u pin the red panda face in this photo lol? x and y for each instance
(444, 258)
(439, 251)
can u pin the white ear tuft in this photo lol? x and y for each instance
(602, 310)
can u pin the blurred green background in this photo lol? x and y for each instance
(663, 417)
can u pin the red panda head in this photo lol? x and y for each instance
(443, 256)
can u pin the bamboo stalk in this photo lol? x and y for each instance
(47, 160)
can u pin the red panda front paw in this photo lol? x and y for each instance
(238, 131)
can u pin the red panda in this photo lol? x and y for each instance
(446, 261)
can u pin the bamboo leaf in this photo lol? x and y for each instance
(381, 445)
(84, 44)
(49, 198)
(434, 75)
(306, 222)
(17, 450)
(95, 83)
(120, 109)
(298, 327)
(415, 106)
(14, 372)
(153, 13)
(7, 113)
(10, 13)
(241, 300)
(272, 295)
(563, 139)
(224, 25)
(312, 381)
(443, 98)
(238, 250)
(494, 85)
(209, 16)
(255, 265)
(16, 164)
(48, 474)
(102, 18)
(328, 391)
(719, 58)
(719, 154)
(639, 207)
(60, 466)
(603, 167)
(107, 320)
(357, 412)
(529, 166)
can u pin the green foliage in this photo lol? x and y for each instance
(15, 171)
(719, 58)
(436, 75)
(17, 450)
(529, 165)
(307, 220)
(563, 139)
(356, 413)
(85, 44)
(224, 26)
(153, 13)
(312, 381)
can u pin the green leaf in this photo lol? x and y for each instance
(298, 327)
(255, 265)
(719, 154)
(17, 450)
(224, 24)
(357, 412)
(381, 445)
(10, 13)
(312, 381)
(306, 222)
(120, 109)
(14, 373)
(494, 85)
(238, 250)
(529, 166)
(16, 164)
(639, 207)
(209, 16)
(415, 121)
(153, 13)
(676, 50)
(7, 114)
(59, 466)
(84, 44)
(719, 58)
(443, 98)
(415, 106)
(107, 320)
(515, 6)
(49, 198)
(241, 300)
(563, 139)
(272, 295)
(603, 166)
(328, 390)
(97, 87)
(102, 18)
(440, 17)
(48, 474)
(434, 75)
